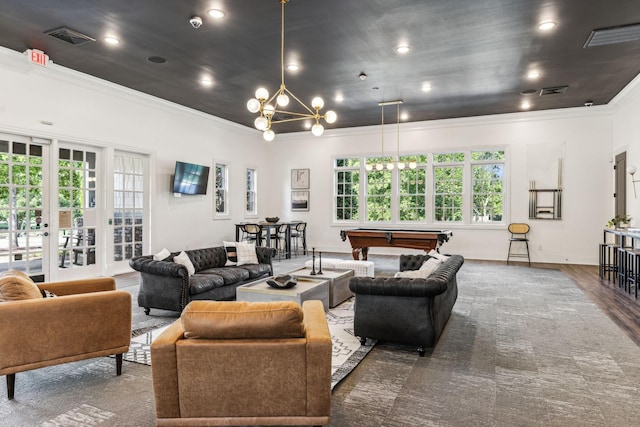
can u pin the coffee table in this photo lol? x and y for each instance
(306, 289)
(338, 282)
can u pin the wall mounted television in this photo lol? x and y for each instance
(190, 178)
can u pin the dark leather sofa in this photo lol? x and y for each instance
(406, 310)
(167, 285)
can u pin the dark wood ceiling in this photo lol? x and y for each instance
(474, 54)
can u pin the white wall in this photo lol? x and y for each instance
(91, 111)
(586, 134)
(84, 109)
(626, 137)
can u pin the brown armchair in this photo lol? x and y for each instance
(88, 318)
(244, 363)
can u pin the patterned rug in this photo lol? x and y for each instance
(347, 350)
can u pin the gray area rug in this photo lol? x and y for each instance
(523, 347)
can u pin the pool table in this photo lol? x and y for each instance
(362, 239)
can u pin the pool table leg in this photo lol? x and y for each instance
(355, 252)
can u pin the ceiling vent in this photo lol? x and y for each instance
(68, 35)
(556, 90)
(613, 35)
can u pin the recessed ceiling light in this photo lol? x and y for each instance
(111, 40)
(404, 116)
(307, 124)
(426, 87)
(206, 81)
(525, 105)
(339, 98)
(547, 25)
(216, 13)
(403, 48)
(293, 67)
(157, 59)
(534, 74)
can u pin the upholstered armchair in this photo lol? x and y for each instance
(87, 318)
(244, 363)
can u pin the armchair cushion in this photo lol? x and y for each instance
(242, 320)
(16, 285)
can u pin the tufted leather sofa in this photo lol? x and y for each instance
(167, 285)
(406, 310)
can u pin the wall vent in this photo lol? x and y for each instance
(613, 35)
(68, 35)
(556, 90)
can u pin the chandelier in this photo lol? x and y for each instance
(264, 105)
(390, 165)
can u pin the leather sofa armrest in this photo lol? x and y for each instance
(319, 349)
(83, 286)
(165, 371)
(265, 256)
(162, 268)
(42, 330)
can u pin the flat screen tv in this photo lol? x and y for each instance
(190, 178)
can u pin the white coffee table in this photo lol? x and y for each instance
(338, 282)
(306, 289)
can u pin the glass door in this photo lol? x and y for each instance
(129, 195)
(78, 216)
(24, 209)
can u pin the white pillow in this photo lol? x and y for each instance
(434, 254)
(232, 253)
(430, 265)
(183, 259)
(412, 274)
(163, 254)
(246, 253)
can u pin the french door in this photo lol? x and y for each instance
(78, 209)
(24, 205)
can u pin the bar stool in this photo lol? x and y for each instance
(629, 269)
(608, 261)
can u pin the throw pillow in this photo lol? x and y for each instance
(412, 274)
(184, 259)
(246, 253)
(435, 254)
(162, 255)
(232, 253)
(430, 265)
(16, 285)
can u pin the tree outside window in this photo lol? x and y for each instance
(448, 177)
(488, 185)
(347, 181)
(413, 187)
(251, 192)
(379, 191)
(221, 189)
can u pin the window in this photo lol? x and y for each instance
(451, 187)
(447, 181)
(251, 193)
(413, 187)
(488, 185)
(347, 189)
(379, 191)
(222, 189)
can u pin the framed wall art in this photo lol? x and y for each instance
(299, 179)
(299, 200)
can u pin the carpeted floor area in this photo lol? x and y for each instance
(524, 347)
